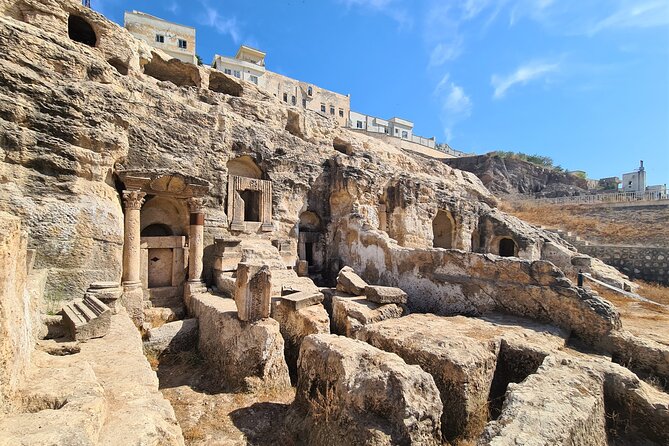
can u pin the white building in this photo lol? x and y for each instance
(248, 64)
(635, 181)
(176, 40)
(393, 127)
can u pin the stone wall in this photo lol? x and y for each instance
(638, 262)
(447, 282)
(16, 340)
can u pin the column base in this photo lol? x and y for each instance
(133, 301)
(237, 226)
(267, 227)
(193, 287)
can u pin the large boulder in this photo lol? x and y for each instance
(349, 282)
(245, 355)
(349, 392)
(173, 337)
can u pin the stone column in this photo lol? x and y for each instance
(133, 296)
(195, 250)
(196, 242)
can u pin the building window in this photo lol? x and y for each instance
(285, 97)
(254, 79)
(304, 103)
(358, 124)
(236, 74)
(227, 71)
(310, 91)
(405, 134)
(341, 112)
(385, 130)
(183, 44)
(293, 100)
(322, 108)
(332, 109)
(160, 38)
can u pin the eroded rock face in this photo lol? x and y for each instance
(560, 404)
(295, 325)
(461, 354)
(349, 392)
(246, 355)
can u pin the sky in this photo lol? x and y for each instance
(585, 82)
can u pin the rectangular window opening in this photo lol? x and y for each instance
(160, 38)
(251, 205)
(183, 44)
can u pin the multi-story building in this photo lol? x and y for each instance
(176, 40)
(249, 64)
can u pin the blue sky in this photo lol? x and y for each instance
(585, 82)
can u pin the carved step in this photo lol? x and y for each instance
(86, 319)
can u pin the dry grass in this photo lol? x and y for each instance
(653, 291)
(571, 218)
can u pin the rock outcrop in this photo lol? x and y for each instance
(349, 392)
(246, 355)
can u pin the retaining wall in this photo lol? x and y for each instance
(638, 262)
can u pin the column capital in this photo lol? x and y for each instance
(133, 199)
(195, 205)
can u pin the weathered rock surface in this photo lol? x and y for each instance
(510, 176)
(106, 394)
(462, 355)
(560, 404)
(295, 325)
(351, 313)
(18, 318)
(246, 355)
(349, 392)
(349, 282)
(385, 295)
(172, 337)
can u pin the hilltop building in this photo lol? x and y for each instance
(176, 40)
(249, 64)
(635, 181)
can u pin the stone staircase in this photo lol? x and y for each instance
(87, 318)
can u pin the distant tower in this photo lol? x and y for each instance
(87, 3)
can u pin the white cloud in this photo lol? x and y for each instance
(446, 51)
(635, 15)
(455, 104)
(223, 25)
(172, 7)
(525, 73)
(391, 8)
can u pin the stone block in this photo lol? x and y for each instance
(302, 268)
(253, 292)
(295, 325)
(302, 299)
(86, 319)
(349, 392)
(172, 337)
(350, 314)
(245, 355)
(108, 293)
(349, 282)
(385, 295)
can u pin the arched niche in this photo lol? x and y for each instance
(244, 166)
(507, 247)
(443, 230)
(81, 31)
(169, 213)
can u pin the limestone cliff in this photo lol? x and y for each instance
(73, 117)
